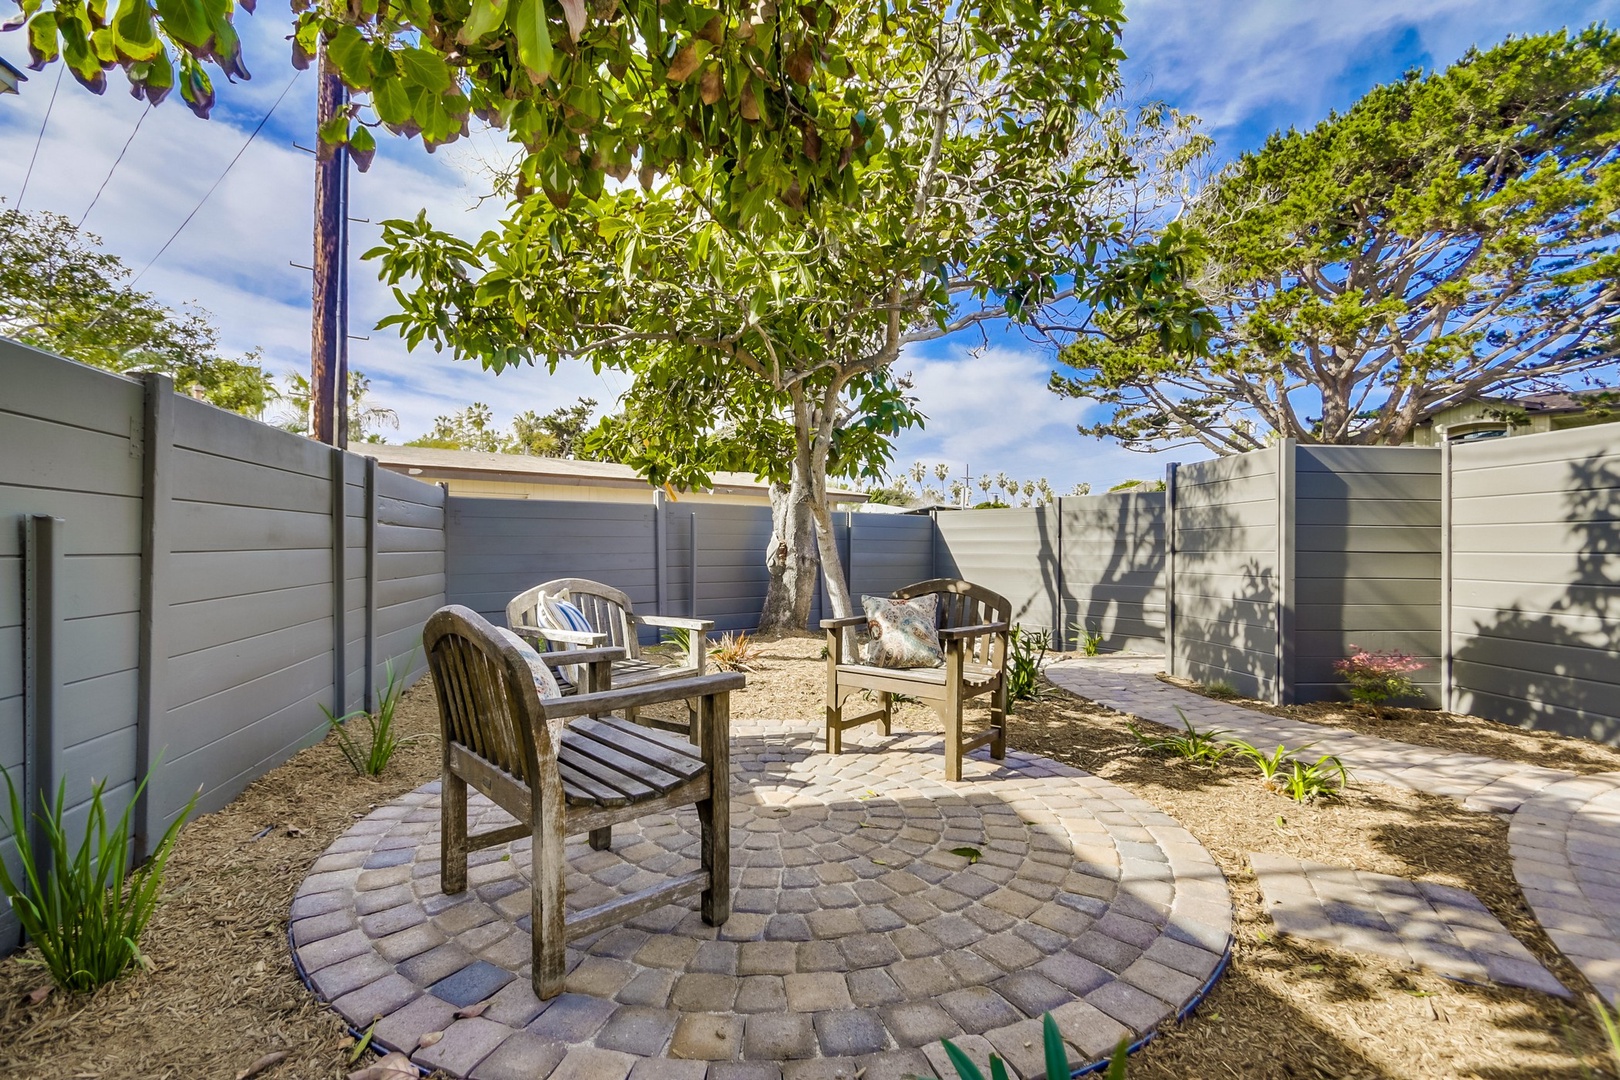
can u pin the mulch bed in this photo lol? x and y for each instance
(222, 992)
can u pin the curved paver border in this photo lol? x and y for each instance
(1567, 864)
(857, 938)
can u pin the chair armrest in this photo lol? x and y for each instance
(571, 637)
(720, 682)
(839, 624)
(956, 633)
(570, 657)
(676, 622)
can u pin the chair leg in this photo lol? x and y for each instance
(714, 813)
(835, 733)
(631, 715)
(953, 735)
(601, 839)
(888, 711)
(550, 942)
(998, 717)
(452, 834)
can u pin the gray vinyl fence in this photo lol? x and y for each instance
(1286, 557)
(182, 587)
(1533, 580)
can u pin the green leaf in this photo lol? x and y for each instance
(971, 854)
(528, 21)
(426, 69)
(486, 16)
(351, 54)
(134, 32)
(186, 21)
(1056, 1054)
(965, 1069)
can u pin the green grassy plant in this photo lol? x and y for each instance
(1052, 1048)
(1026, 654)
(84, 910)
(1223, 690)
(1324, 778)
(1202, 748)
(1610, 1023)
(1270, 765)
(1089, 640)
(372, 758)
(677, 640)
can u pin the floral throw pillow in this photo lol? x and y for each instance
(901, 632)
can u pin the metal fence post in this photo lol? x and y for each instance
(1448, 689)
(340, 571)
(42, 537)
(660, 553)
(156, 545)
(694, 556)
(371, 584)
(1283, 691)
(1170, 566)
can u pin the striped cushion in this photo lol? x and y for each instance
(564, 615)
(544, 682)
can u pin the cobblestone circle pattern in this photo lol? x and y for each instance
(859, 937)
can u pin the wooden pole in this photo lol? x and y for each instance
(328, 381)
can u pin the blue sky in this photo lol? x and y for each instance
(1247, 68)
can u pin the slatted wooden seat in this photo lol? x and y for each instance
(973, 626)
(614, 623)
(564, 766)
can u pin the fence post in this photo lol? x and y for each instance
(1058, 610)
(42, 537)
(1283, 692)
(340, 571)
(1170, 566)
(157, 543)
(660, 553)
(371, 584)
(694, 559)
(1448, 694)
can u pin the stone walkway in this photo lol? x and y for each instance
(1567, 860)
(1129, 684)
(1420, 923)
(858, 939)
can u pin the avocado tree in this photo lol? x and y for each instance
(1448, 236)
(766, 341)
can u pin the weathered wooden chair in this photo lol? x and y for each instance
(563, 766)
(612, 622)
(973, 625)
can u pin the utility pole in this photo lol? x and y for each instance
(329, 339)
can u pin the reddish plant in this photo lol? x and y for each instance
(1377, 677)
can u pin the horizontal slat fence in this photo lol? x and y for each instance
(181, 588)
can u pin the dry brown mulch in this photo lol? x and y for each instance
(223, 992)
(1441, 730)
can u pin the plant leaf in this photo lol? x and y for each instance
(971, 854)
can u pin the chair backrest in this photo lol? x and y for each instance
(608, 610)
(962, 603)
(488, 703)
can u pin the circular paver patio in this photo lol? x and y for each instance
(858, 940)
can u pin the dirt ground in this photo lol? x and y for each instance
(1443, 730)
(222, 992)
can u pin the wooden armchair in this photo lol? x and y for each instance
(973, 626)
(564, 766)
(614, 624)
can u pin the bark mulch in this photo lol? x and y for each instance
(222, 992)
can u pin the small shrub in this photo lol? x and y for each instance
(1270, 765)
(1089, 641)
(1220, 689)
(677, 640)
(1324, 778)
(1202, 748)
(1377, 677)
(379, 750)
(78, 908)
(1026, 654)
(734, 652)
(1056, 1054)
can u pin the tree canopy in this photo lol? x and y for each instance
(61, 292)
(765, 342)
(1449, 236)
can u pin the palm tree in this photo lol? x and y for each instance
(942, 471)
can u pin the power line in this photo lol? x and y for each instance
(139, 120)
(255, 134)
(49, 106)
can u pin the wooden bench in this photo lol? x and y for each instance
(614, 624)
(565, 766)
(973, 626)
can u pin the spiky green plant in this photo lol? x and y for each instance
(85, 910)
(383, 741)
(1324, 778)
(1202, 748)
(1270, 765)
(1052, 1048)
(1026, 654)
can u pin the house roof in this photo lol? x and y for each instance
(433, 464)
(1562, 401)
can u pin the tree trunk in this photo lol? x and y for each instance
(791, 558)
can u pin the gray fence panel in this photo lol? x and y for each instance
(1534, 588)
(410, 571)
(1012, 552)
(71, 448)
(1228, 574)
(888, 552)
(496, 548)
(1113, 568)
(732, 578)
(1372, 579)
